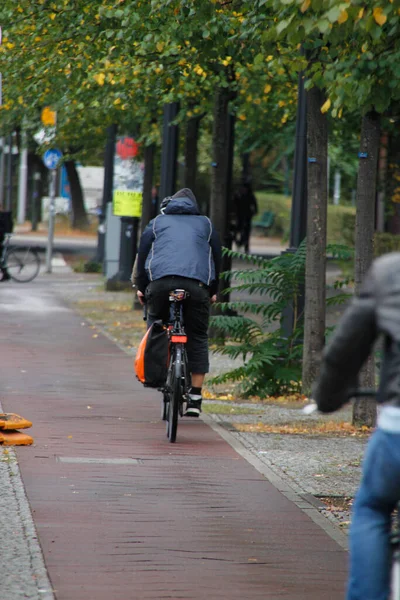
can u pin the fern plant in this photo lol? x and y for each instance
(271, 359)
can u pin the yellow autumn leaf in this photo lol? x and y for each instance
(379, 17)
(361, 13)
(267, 88)
(326, 106)
(48, 117)
(100, 78)
(344, 15)
(116, 102)
(305, 5)
(52, 16)
(242, 117)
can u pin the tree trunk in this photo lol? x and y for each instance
(364, 412)
(223, 134)
(38, 188)
(218, 204)
(79, 216)
(147, 208)
(315, 278)
(191, 151)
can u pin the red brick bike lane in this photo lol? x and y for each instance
(122, 514)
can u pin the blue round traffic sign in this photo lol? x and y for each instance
(51, 158)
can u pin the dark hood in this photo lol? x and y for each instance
(183, 203)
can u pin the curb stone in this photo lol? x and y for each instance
(25, 548)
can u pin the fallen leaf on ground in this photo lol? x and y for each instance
(324, 428)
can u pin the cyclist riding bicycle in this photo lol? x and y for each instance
(181, 249)
(375, 312)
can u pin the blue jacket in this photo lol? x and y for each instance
(179, 242)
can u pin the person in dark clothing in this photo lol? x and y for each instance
(6, 226)
(181, 249)
(374, 313)
(154, 202)
(246, 207)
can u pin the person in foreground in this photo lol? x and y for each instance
(181, 249)
(375, 312)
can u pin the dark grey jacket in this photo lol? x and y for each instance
(179, 242)
(376, 311)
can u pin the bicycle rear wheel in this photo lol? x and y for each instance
(22, 264)
(175, 399)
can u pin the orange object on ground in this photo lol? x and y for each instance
(1, 438)
(15, 438)
(13, 421)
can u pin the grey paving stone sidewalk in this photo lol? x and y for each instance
(22, 571)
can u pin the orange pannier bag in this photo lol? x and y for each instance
(151, 361)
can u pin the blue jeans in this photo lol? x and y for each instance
(370, 553)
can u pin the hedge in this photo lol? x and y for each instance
(386, 242)
(341, 219)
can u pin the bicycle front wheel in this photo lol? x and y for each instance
(175, 400)
(22, 264)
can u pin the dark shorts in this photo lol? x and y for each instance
(196, 313)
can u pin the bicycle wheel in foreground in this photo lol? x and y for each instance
(23, 264)
(175, 394)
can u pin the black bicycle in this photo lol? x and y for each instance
(21, 264)
(176, 389)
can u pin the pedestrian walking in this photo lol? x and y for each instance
(246, 207)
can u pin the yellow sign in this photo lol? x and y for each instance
(127, 203)
(49, 117)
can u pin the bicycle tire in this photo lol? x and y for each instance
(175, 399)
(164, 407)
(22, 264)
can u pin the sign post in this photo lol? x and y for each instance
(127, 201)
(51, 159)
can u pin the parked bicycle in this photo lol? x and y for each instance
(395, 530)
(21, 263)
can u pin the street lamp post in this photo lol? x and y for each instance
(298, 224)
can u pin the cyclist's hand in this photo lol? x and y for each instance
(213, 299)
(140, 296)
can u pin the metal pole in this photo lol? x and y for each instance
(23, 180)
(107, 190)
(227, 260)
(298, 226)
(169, 152)
(2, 170)
(35, 200)
(9, 175)
(52, 211)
